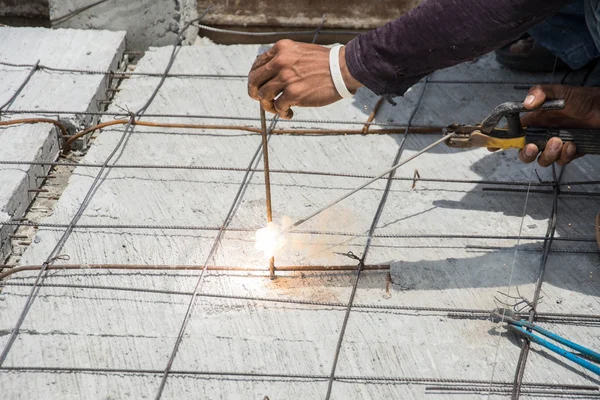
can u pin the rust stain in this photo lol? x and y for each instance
(388, 285)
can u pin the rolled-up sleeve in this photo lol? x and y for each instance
(437, 34)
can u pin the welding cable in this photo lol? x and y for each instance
(87, 198)
(21, 86)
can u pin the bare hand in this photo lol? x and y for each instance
(582, 110)
(299, 74)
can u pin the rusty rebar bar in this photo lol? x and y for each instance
(72, 138)
(372, 116)
(36, 121)
(8, 270)
(265, 149)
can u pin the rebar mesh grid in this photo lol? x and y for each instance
(484, 387)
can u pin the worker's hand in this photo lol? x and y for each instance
(582, 110)
(299, 74)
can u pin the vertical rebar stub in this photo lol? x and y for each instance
(265, 149)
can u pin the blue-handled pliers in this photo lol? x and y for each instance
(526, 329)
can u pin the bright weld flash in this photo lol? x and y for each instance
(268, 239)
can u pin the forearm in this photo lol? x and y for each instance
(438, 34)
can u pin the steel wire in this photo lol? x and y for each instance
(450, 311)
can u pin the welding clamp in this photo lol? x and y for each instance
(514, 323)
(487, 134)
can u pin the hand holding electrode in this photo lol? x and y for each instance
(582, 110)
(298, 74)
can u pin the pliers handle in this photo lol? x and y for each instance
(487, 134)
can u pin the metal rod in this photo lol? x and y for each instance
(128, 74)
(587, 393)
(287, 171)
(372, 116)
(287, 376)
(11, 270)
(265, 150)
(18, 222)
(451, 312)
(364, 185)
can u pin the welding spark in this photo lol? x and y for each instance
(269, 239)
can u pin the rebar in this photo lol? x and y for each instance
(265, 151)
(8, 270)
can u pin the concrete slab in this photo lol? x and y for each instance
(131, 312)
(17, 385)
(45, 91)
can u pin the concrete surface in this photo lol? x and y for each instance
(147, 22)
(45, 91)
(129, 320)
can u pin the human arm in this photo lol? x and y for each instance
(388, 60)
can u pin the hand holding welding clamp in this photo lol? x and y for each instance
(487, 134)
(525, 329)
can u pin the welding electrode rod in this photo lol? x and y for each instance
(265, 148)
(364, 185)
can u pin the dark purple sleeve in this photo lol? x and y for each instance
(438, 34)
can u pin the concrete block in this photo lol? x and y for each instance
(55, 91)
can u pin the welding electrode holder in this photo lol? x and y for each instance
(487, 134)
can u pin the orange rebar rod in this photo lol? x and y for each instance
(10, 270)
(76, 136)
(36, 121)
